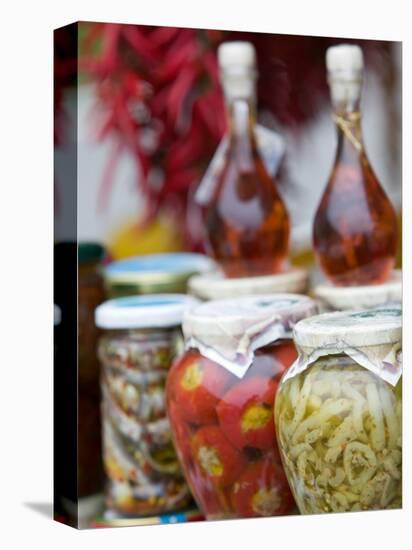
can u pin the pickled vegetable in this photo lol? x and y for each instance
(143, 472)
(339, 433)
(224, 433)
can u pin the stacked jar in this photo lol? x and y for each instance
(216, 286)
(141, 338)
(154, 273)
(344, 298)
(220, 395)
(339, 412)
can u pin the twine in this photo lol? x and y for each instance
(347, 124)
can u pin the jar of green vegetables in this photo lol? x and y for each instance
(339, 409)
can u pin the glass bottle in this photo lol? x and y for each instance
(247, 224)
(354, 232)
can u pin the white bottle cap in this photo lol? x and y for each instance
(344, 58)
(237, 63)
(345, 67)
(236, 55)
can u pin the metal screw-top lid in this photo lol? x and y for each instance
(150, 311)
(154, 273)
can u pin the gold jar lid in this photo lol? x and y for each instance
(154, 273)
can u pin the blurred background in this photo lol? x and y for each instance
(150, 114)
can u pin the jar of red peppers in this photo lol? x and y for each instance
(141, 338)
(220, 395)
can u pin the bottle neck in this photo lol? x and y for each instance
(345, 95)
(239, 88)
(241, 114)
(349, 130)
(241, 119)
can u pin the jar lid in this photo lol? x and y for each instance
(150, 311)
(90, 251)
(215, 285)
(229, 331)
(359, 297)
(156, 270)
(369, 327)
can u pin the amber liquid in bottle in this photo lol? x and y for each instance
(247, 223)
(355, 227)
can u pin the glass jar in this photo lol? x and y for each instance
(154, 273)
(90, 295)
(220, 396)
(141, 338)
(215, 286)
(339, 412)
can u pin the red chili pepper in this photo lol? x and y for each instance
(262, 490)
(273, 362)
(197, 386)
(246, 413)
(216, 457)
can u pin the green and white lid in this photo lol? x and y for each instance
(214, 286)
(230, 331)
(140, 312)
(154, 273)
(371, 337)
(357, 297)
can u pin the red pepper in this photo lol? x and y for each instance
(197, 386)
(217, 459)
(273, 361)
(262, 490)
(181, 432)
(286, 354)
(246, 413)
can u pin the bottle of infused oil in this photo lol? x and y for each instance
(355, 227)
(247, 224)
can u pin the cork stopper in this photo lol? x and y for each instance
(345, 72)
(344, 59)
(237, 63)
(236, 55)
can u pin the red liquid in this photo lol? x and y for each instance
(355, 227)
(247, 222)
